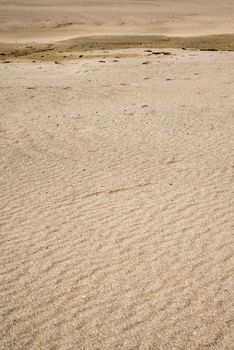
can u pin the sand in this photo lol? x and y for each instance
(117, 178)
(48, 20)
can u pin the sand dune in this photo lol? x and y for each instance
(117, 202)
(49, 31)
(116, 175)
(48, 20)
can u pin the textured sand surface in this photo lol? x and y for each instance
(117, 183)
(116, 174)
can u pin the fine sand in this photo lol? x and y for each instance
(116, 175)
(49, 20)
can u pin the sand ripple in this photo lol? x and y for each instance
(116, 210)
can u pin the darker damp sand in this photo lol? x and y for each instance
(77, 46)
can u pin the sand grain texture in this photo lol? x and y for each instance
(117, 203)
(116, 175)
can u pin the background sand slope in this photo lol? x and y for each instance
(56, 20)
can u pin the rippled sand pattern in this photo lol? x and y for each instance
(116, 185)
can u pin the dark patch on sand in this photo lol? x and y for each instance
(78, 46)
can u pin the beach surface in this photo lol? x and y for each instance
(50, 20)
(116, 175)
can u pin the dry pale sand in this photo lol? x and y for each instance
(47, 20)
(116, 175)
(117, 202)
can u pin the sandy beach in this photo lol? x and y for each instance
(116, 175)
